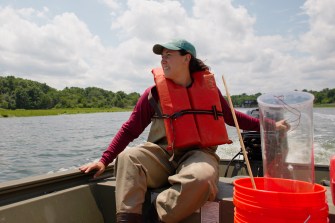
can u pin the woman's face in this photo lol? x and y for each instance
(174, 64)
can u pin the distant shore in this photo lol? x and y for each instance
(5, 113)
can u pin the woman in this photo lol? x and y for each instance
(191, 171)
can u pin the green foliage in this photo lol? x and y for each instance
(326, 96)
(245, 100)
(18, 93)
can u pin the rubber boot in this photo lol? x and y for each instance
(128, 217)
(151, 216)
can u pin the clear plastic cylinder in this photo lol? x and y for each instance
(287, 153)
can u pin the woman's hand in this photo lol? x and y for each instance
(99, 166)
(282, 125)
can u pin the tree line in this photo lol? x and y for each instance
(324, 97)
(18, 93)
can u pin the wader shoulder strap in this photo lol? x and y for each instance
(154, 103)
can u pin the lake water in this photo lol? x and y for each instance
(38, 145)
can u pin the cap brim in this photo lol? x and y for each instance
(158, 48)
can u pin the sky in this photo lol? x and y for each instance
(258, 46)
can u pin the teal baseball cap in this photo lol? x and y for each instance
(178, 44)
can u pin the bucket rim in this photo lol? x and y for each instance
(317, 187)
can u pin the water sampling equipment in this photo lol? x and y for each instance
(287, 192)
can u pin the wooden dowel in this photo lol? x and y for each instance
(239, 135)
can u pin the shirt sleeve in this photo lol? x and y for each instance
(245, 122)
(139, 119)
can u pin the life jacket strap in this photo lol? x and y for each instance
(178, 114)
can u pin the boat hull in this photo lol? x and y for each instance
(71, 196)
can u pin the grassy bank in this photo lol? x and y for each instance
(45, 112)
(324, 105)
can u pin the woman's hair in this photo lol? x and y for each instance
(195, 64)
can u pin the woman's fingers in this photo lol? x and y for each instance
(283, 125)
(100, 167)
(87, 167)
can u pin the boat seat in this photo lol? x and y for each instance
(223, 203)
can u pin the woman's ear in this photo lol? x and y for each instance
(188, 57)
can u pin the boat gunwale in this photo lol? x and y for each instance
(30, 187)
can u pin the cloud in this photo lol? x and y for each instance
(61, 50)
(319, 40)
(114, 5)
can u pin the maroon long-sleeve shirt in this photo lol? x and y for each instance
(141, 116)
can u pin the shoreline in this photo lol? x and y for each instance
(6, 113)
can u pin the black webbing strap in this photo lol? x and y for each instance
(176, 115)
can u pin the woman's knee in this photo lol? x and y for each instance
(203, 173)
(200, 166)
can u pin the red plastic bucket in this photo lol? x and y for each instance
(332, 177)
(284, 200)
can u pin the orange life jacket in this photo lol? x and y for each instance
(192, 116)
